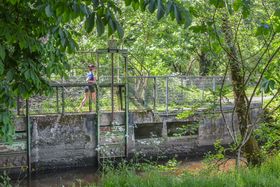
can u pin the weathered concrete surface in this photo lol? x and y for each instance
(57, 142)
(14, 155)
(211, 127)
(63, 141)
(70, 140)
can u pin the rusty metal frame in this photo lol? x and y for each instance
(124, 54)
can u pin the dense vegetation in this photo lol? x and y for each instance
(237, 38)
(265, 175)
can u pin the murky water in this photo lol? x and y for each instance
(71, 177)
(86, 176)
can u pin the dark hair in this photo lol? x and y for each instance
(91, 66)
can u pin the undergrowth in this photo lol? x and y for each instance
(268, 174)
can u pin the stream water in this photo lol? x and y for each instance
(60, 178)
(85, 176)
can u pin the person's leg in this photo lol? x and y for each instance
(93, 96)
(84, 99)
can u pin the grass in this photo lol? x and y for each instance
(266, 175)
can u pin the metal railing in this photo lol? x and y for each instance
(157, 93)
(64, 98)
(169, 93)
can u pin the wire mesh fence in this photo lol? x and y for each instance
(157, 93)
(168, 93)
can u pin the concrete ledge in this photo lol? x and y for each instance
(65, 141)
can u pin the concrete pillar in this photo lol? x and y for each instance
(164, 129)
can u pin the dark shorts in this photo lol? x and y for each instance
(89, 88)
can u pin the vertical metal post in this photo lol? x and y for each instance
(214, 84)
(192, 85)
(120, 97)
(145, 100)
(90, 94)
(214, 88)
(203, 87)
(28, 141)
(63, 101)
(155, 93)
(90, 100)
(97, 109)
(182, 94)
(112, 85)
(262, 98)
(18, 106)
(167, 93)
(187, 84)
(126, 106)
(57, 105)
(118, 70)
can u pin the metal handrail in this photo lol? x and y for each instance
(156, 90)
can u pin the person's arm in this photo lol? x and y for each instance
(88, 79)
(91, 81)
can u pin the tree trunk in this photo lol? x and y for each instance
(204, 64)
(251, 148)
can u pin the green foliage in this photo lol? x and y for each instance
(29, 55)
(244, 5)
(267, 85)
(187, 113)
(266, 175)
(163, 8)
(269, 137)
(6, 126)
(218, 155)
(268, 132)
(218, 3)
(5, 180)
(209, 101)
(171, 165)
(36, 36)
(186, 130)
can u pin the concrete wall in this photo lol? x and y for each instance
(211, 127)
(70, 140)
(57, 142)
(63, 141)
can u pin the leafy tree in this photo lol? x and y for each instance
(240, 37)
(163, 47)
(36, 36)
(249, 37)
